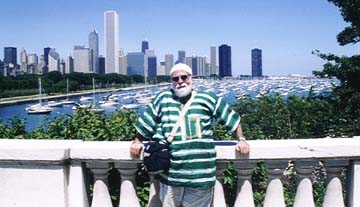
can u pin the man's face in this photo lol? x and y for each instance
(181, 83)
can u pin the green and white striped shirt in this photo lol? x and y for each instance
(193, 162)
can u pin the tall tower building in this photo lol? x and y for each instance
(45, 68)
(144, 46)
(94, 51)
(102, 65)
(122, 62)
(169, 63)
(53, 60)
(256, 62)
(23, 61)
(10, 55)
(81, 59)
(181, 56)
(225, 61)
(69, 65)
(213, 68)
(135, 63)
(111, 22)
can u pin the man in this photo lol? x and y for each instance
(191, 177)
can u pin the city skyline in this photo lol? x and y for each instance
(286, 32)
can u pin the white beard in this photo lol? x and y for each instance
(183, 91)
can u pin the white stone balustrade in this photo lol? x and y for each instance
(36, 173)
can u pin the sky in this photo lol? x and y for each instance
(286, 31)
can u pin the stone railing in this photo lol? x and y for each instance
(37, 173)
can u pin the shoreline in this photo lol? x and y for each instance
(32, 98)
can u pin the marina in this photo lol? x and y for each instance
(232, 90)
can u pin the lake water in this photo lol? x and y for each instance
(230, 90)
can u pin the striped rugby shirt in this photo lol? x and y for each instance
(193, 162)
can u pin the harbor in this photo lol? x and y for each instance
(136, 98)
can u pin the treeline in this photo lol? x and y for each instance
(55, 82)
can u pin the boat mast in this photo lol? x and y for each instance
(93, 82)
(40, 101)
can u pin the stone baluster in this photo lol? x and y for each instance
(154, 194)
(127, 170)
(304, 191)
(219, 196)
(76, 186)
(101, 195)
(244, 171)
(274, 192)
(353, 178)
(334, 195)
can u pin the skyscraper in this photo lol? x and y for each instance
(45, 68)
(111, 22)
(169, 63)
(152, 66)
(144, 46)
(225, 61)
(10, 55)
(81, 59)
(23, 61)
(69, 65)
(53, 60)
(181, 56)
(213, 68)
(94, 51)
(256, 62)
(135, 63)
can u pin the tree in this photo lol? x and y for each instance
(350, 10)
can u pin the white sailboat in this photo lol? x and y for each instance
(67, 101)
(39, 108)
(93, 106)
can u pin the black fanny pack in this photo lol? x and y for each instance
(157, 156)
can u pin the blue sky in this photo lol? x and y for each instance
(286, 31)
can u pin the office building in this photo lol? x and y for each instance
(169, 63)
(161, 69)
(197, 64)
(181, 56)
(10, 56)
(144, 46)
(53, 60)
(256, 63)
(225, 61)
(135, 63)
(152, 66)
(69, 65)
(81, 59)
(111, 22)
(33, 58)
(23, 61)
(94, 51)
(102, 65)
(45, 68)
(213, 68)
(122, 63)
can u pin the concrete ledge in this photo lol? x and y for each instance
(295, 149)
(102, 150)
(36, 150)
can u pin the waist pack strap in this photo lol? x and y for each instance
(182, 114)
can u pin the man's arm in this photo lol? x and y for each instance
(242, 146)
(137, 145)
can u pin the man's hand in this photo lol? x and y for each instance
(136, 147)
(242, 147)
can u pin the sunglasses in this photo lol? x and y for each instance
(183, 77)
